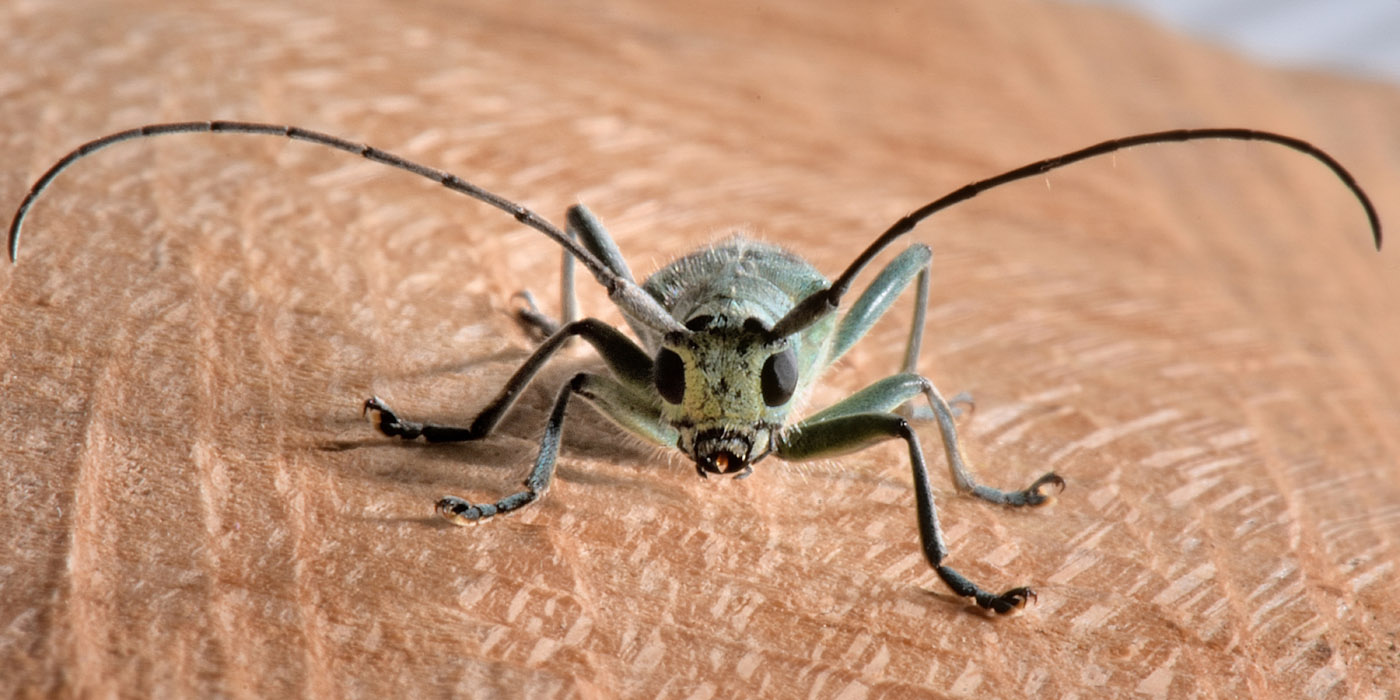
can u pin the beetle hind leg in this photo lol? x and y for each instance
(585, 228)
(535, 322)
(961, 404)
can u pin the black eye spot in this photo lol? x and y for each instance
(669, 375)
(699, 323)
(779, 378)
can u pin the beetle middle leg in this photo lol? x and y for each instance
(627, 361)
(621, 400)
(892, 392)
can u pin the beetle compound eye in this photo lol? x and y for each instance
(669, 375)
(779, 378)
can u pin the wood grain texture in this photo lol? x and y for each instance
(1198, 337)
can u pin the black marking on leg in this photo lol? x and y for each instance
(447, 433)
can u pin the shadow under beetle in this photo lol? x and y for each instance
(730, 337)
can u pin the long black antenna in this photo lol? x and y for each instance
(622, 291)
(820, 303)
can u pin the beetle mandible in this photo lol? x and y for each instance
(728, 338)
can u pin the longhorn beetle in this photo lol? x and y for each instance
(730, 337)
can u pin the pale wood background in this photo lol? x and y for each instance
(1199, 338)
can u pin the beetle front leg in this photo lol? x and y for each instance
(462, 512)
(627, 361)
(822, 438)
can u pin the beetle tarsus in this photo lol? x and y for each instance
(1012, 600)
(1034, 494)
(385, 421)
(388, 423)
(536, 323)
(462, 512)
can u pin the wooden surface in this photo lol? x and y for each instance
(1199, 338)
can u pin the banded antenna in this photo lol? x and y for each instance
(623, 292)
(822, 302)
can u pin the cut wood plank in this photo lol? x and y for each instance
(1199, 338)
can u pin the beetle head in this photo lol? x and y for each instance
(725, 387)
